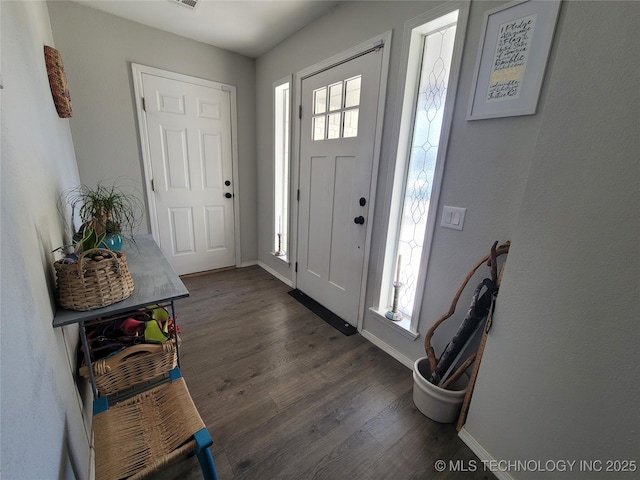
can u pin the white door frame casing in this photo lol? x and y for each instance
(383, 39)
(138, 70)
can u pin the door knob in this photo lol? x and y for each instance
(359, 220)
(228, 195)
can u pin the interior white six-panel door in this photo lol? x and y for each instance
(189, 138)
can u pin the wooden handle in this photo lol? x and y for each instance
(496, 252)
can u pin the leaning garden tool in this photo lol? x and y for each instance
(482, 301)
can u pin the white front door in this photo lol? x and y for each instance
(188, 128)
(337, 137)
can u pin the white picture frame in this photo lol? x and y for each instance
(512, 56)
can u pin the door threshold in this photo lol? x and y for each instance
(207, 272)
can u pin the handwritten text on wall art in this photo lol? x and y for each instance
(510, 59)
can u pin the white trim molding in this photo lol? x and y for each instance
(481, 453)
(388, 349)
(271, 271)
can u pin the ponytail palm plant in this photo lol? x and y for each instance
(104, 210)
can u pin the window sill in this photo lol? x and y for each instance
(403, 326)
(283, 258)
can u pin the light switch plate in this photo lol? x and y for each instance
(452, 217)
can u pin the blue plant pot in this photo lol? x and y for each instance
(113, 242)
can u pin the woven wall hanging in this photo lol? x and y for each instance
(58, 82)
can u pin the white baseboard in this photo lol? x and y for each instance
(250, 263)
(481, 453)
(403, 359)
(280, 277)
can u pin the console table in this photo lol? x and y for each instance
(157, 442)
(155, 283)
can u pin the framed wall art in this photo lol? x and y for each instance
(512, 55)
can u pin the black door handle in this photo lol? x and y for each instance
(359, 220)
(228, 195)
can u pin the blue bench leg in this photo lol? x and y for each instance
(203, 442)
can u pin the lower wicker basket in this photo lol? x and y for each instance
(89, 284)
(133, 365)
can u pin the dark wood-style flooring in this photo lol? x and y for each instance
(286, 396)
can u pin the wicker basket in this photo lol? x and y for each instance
(133, 365)
(89, 284)
(58, 82)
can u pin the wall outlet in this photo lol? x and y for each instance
(452, 217)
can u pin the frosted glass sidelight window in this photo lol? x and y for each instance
(427, 126)
(418, 170)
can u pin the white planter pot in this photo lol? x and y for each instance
(434, 402)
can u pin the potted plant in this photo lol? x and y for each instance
(108, 214)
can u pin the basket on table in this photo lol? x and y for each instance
(89, 284)
(132, 365)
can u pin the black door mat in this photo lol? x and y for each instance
(326, 315)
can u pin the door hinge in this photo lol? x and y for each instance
(298, 195)
(296, 267)
(144, 105)
(300, 112)
(153, 186)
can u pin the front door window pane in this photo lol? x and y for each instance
(351, 123)
(352, 92)
(338, 100)
(318, 127)
(334, 125)
(335, 97)
(320, 100)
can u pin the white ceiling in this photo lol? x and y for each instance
(250, 28)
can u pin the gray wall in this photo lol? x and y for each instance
(560, 378)
(560, 370)
(45, 432)
(485, 172)
(486, 167)
(98, 50)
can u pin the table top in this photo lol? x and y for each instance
(154, 281)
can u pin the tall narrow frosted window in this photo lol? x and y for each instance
(427, 126)
(281, 169)
(419, 161)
